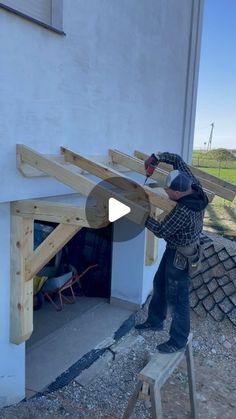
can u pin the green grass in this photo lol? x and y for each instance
(220, 216)
(226, 174)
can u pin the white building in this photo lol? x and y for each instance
(90, 75)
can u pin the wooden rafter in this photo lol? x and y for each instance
(136, 164)
(212, 183)
(97, 169)
(116, 178)
(77, 181)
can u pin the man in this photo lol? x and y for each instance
(181, 230)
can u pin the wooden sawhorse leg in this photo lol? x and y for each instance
(130, 407)
(155, 394)
(191, 379)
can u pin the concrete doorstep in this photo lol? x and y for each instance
(57, 358)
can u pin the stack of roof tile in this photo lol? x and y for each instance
(213, 290)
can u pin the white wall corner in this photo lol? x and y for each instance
(127, 265)
(192, 73)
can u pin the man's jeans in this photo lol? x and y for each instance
(171, 287)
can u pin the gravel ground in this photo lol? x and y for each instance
(107, 394)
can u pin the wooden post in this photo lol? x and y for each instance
(21, 300)
(151, 248)
(191, 379)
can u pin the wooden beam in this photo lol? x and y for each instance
(115, 177)
(48, 248)
(31, 172)
(21, 298)
(163, 166)
(77, 181)
(211, 183)
(57, 213)
(136, 165)
(98, 169)
(158, 200)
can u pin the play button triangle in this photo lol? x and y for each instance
(117, 209)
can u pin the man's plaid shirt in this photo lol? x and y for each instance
(182, 226)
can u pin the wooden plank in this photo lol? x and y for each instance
(21, 297)
(159, 175)
(77, 181)
(212, 183)
(48, 248)
(136, 165)
(31, 172)
(117, 179)
(160, 367)
(132, 163)
(99, 170)
(158, 200)
(57, 213)
(142, 156)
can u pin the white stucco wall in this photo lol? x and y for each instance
(117, 79)
(124, 76)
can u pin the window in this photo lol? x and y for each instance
(44, 12)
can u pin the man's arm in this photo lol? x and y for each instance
(170, 225)
(178, 164)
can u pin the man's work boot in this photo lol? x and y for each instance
(169, 347)
(148, 326)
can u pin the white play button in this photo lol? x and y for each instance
(117, 210)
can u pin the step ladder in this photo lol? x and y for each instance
(155, 374)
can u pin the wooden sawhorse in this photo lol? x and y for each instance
(155, 374)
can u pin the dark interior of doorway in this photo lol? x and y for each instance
(87, 247)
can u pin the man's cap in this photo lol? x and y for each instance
(178, 181)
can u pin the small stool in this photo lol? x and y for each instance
(155, 374)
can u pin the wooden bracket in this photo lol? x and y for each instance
(25, 263)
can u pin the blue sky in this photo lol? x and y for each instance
(217, 77)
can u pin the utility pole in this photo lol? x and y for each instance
(210, 137)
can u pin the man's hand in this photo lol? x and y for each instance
(150, 164)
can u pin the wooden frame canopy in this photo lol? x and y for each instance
(71, 168)
(67, 168)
